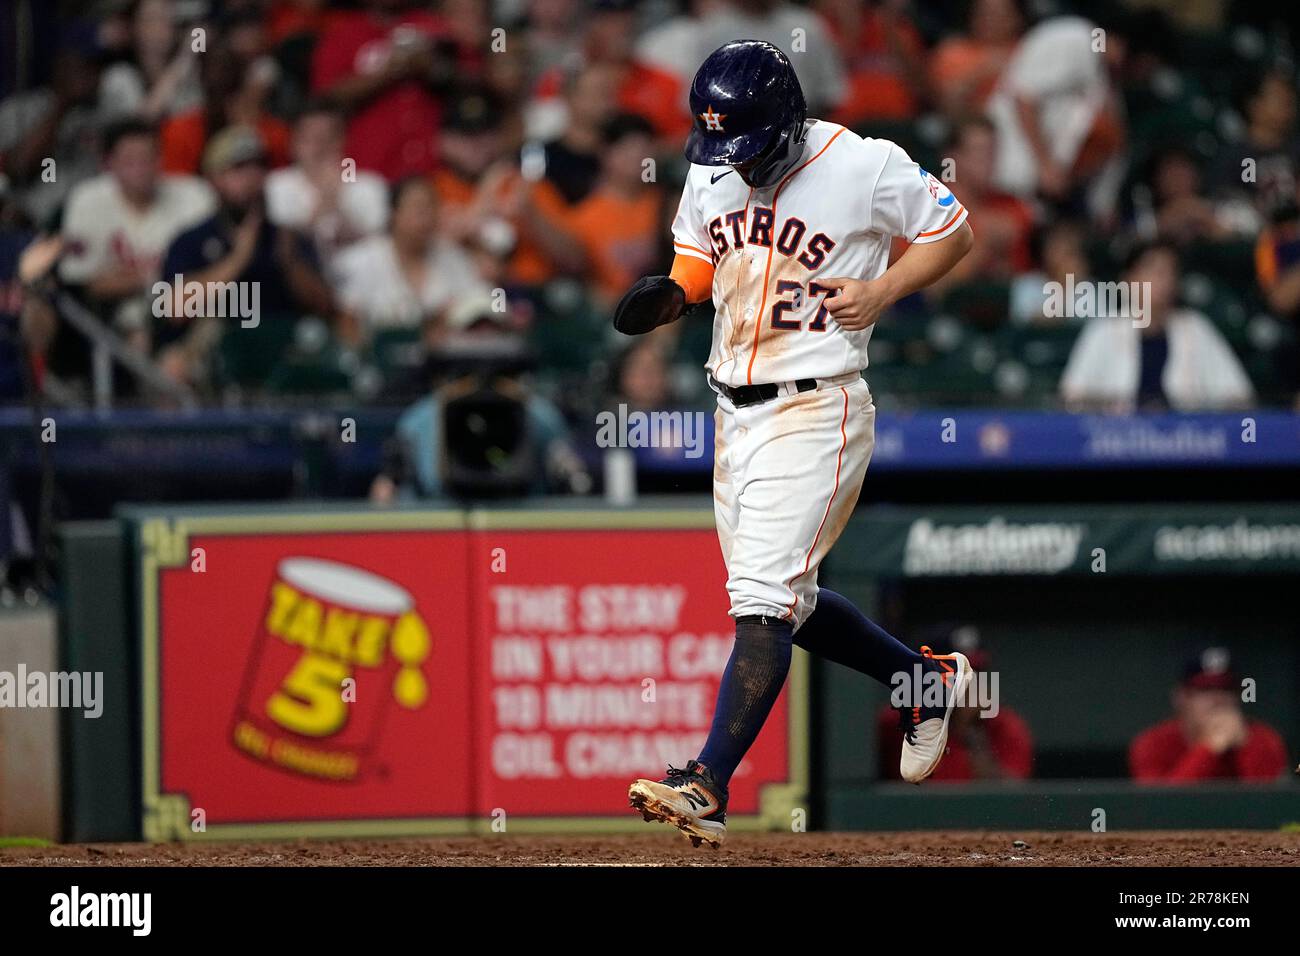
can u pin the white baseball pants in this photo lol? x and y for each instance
(786, 476)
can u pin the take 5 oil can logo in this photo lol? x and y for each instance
(336, 647)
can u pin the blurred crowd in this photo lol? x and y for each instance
(401, 182)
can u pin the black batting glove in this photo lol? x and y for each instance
(651, 302)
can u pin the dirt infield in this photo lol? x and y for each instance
(661, 846)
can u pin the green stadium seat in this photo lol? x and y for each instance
(321, 373)
(568, 333)
(396, 350)
(696, 337)
(1221, 304)
(1045, 347)
(907, 134)
(1233, 262)
(248, 356)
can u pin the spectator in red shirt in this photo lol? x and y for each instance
(1208, 738)
(982, 745)
(383, 65)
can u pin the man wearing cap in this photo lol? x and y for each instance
(240, 245)
(472, 142)
(1208, 738)
(488, 203)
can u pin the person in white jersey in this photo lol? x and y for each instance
(786, 224)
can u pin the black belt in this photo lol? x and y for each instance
(743, 395)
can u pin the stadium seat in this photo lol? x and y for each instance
(1232, 262)
(396, 351)
(905, 134)
(567, 333)
(321, 373)
(1220, 303)
(247, 357)
(695, 338)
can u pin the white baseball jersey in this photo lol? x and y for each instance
(833, 215)
(787, 472)
(105, 232)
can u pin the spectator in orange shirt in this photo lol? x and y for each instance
(473, 140)
(489, 203)
(885, 58)
(617, 224)
(1208, 738)
(647, 91)
(235, 89)
(965, 68)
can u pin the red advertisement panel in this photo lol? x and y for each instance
(316, 677)
(387, 680)
(598, 661)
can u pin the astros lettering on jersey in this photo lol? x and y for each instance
(833, 215)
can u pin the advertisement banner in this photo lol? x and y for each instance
(599, 660)
(300, 681)
(1027, 540)
(436, 672)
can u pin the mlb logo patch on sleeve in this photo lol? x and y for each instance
(941, 193)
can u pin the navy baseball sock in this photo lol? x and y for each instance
(754, 676)
(839, 632)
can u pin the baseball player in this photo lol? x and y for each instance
(786, 224)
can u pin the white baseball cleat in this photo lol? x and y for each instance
(925, 729)
(689, 799)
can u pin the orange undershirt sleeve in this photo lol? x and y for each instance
(695, 276)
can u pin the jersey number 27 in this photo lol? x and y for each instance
(795, 302)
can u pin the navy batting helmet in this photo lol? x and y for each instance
(748, 111)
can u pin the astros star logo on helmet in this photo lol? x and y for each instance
(712, 120)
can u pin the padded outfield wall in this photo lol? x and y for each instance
(522, 648)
